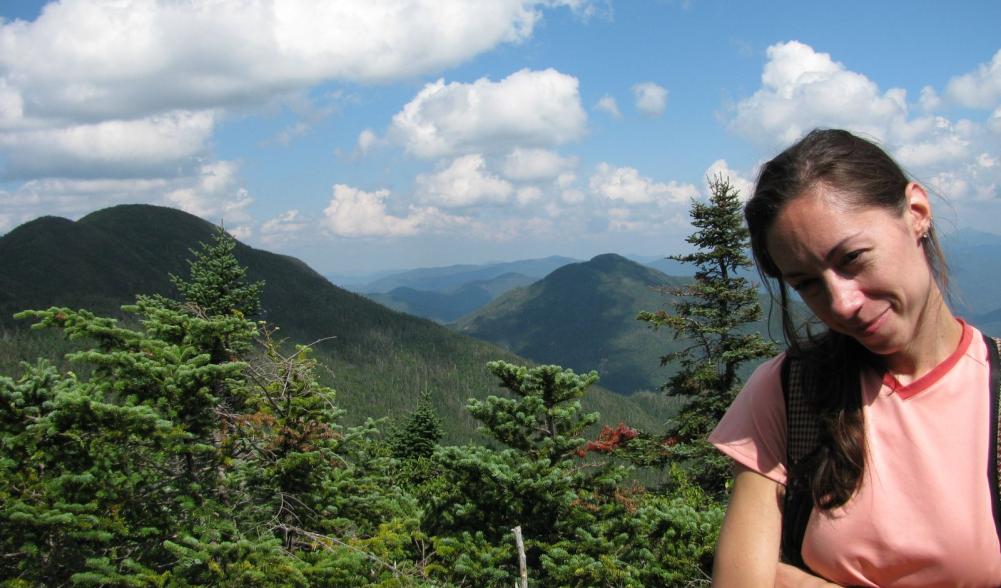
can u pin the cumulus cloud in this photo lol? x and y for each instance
(994, 122)
(528, 195)
(608, 105)
(366, 140)
(980, 88)
(285, 227)
(135, 88)
(357, 213)
(529, 165)
(217, 194)
(930, 100)
(802, 89)
(625, 184)
(651, 99)
(527, 108)
(147, 56)
(465, 182)
(72, 198)
(743, 185)
(153, 146)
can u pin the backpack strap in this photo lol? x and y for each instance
(802, 439)
(994, 359)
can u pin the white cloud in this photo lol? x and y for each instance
(366, 140)
(572, 196)
(950, 185)
(528, 195)
(566, 179)
(356, 213)
(465, 182)
(528, 165)
(147, 147)
(241, 233)
(608, 105)
(147, 56)
(527, 108)
(802, 89)
(942, 148)
(89, 87)
(285, 227)
(625, 184)
(737, 180)
(651, 99)
(994, 122)
(74, 198)
(980, 88)
(217, 194)
(930, 100)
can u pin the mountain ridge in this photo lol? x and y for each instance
(379, 360)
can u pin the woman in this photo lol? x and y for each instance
(900, 482)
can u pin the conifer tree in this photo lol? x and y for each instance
(583, 524)
(180, 458)
(712, 314)
(217, 281)
(420, 434)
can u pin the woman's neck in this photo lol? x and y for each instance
(936, 338)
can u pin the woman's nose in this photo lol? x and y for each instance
(845, 298)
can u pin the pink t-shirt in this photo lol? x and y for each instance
(923, 515)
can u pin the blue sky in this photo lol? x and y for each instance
(368, 135)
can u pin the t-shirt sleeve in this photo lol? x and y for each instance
(753, 430)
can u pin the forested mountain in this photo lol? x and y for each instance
(448, 278)
(448, 306)
(378, 360)
(584, 314)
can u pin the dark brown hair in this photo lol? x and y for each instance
(863, 174)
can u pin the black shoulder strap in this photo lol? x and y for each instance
(802, 433)
(994, 358)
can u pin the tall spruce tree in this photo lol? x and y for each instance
(712, 314)
(217, 282)
(420, 433)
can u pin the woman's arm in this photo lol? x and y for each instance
(748, 548)
(787, 576)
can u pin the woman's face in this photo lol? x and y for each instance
(862, 271)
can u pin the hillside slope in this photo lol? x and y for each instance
(448, 278)
(584, 314)
(445, 307)
(379, 360)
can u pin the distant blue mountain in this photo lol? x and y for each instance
(450, 278)
(445, 307)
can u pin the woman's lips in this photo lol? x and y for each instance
(873, 326)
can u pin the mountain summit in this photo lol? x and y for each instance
(378, 360)
(583, 316)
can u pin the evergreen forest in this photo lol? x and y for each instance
(186, 440)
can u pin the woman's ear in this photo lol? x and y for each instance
(918, 209)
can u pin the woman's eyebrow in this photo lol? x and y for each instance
(828, 258)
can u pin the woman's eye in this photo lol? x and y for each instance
(852, 257)
(803, 286)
